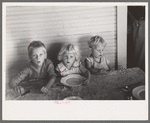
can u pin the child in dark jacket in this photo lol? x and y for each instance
(38, 68)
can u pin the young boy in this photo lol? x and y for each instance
(39, 68)
(97, 63)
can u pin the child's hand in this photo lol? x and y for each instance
(20, 90)
(44, 89)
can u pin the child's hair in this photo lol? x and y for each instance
(68, 48)
(35, 44)
(95, 40)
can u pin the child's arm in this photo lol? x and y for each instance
(51, 78)
(89, 67)
(17, 79)
(106, 70)
(108, 63)
(49, 84)
(58, 72)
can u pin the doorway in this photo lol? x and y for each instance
(136, 37)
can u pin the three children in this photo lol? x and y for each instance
(70, 63)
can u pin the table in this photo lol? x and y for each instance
(101, 87)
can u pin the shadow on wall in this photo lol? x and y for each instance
(83, 46)
(52, 52)
(19, 59)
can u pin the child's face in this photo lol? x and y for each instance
(97, 51)
(68, 59)
(37, 56)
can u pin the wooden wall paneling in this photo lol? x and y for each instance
(55, 26)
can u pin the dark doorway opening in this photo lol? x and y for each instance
(136, 37)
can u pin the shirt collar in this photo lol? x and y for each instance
(61, 66)
(32, 66)
(94, 58)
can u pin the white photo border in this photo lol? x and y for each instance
(75, 110)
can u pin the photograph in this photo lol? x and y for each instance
(62, 52)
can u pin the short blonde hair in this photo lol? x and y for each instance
(96, 40)
(69, 48)
(35, 44)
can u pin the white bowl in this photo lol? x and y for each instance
(139, 92)
(73, 98)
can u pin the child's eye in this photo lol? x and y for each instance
(71, 56)
(41, 54)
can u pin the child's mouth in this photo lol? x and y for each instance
(68, 62)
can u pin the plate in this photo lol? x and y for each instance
(73, 80)
(139, 92)
(73, 98)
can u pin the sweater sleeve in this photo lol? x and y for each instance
(20, 77)
(51, 70)
(108, 62)
(57, 68)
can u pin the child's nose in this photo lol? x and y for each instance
(68, 59)
(100, 51)
(38, 57)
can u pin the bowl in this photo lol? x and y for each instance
(139, 92)
(73, 98)
(73, 80)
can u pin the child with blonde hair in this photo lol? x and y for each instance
(39, 68)
(69, 57)
(97, 63)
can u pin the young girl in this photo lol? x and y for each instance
(69, 57)
(39, 68)
(97, 63)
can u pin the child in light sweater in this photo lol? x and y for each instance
(97, 63)
(69, 57)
